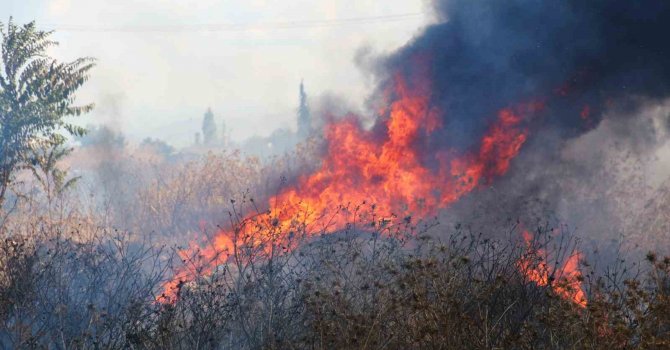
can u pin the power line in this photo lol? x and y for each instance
(236, 27)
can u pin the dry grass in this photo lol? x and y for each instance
(70, 280)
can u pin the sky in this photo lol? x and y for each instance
(162, 63)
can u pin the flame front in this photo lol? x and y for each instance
(565, 280)
(387, 170)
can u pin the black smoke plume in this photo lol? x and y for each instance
(485, 55)
(595, 65)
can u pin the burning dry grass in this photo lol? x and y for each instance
(398, 288)
(377, 281)
(380, 283)
(316, 265)
(395, 287)
(291, 276)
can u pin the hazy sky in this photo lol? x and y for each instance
(157, 68)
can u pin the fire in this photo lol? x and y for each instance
(384, 168)
(566, 280)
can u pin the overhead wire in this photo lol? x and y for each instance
(231, 27)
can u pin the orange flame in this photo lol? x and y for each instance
(385, 169)
(568, 276)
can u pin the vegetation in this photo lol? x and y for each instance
(392, 286)
(90, 266)
(36, 94)
(305, 128)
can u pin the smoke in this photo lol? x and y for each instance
(600, 70)
(486, 55)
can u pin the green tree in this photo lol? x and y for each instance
(37, 93)
(158, 146)
(304, 116)
(51, 178)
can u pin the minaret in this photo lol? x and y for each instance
(209, 128)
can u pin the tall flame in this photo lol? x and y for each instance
(362, 166)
